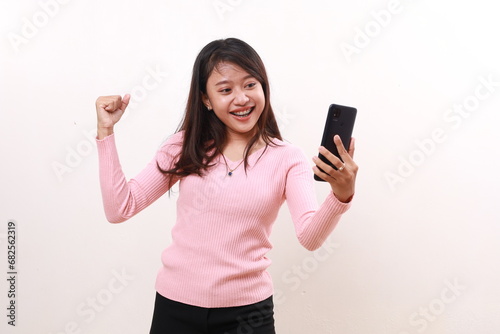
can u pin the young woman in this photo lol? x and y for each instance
(234, 173)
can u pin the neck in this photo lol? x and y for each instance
(239, 138)
(236, 145)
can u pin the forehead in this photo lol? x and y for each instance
(227, 71)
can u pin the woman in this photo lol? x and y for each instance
(234, 173)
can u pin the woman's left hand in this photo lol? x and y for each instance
(343, 179)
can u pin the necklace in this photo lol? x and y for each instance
(227, 166)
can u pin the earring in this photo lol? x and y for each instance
(209, 109)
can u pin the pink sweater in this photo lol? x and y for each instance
(217, 257)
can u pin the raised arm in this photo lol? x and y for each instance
(314, 224)
(123, 199)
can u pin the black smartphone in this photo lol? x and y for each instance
(339, 121)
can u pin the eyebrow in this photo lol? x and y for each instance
(223, 82)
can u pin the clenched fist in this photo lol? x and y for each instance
(109, 111)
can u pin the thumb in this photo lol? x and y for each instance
(352, 147)
(125, 102)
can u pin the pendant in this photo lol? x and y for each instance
(230, 171)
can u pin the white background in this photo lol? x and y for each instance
(417, 253)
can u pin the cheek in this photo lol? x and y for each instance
(262, 95)
(262, 100)
(220, 101)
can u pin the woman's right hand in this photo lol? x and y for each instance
(109, 111)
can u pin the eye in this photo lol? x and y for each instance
(225, 90)
(251, 85)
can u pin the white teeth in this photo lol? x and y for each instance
(243, 113)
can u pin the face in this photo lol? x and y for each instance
(236, 98)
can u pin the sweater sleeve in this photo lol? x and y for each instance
(313, 224)
(123, 199)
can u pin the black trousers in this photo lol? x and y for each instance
(171, 317)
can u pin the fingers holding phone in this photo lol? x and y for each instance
(340, 173)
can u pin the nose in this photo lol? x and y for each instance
(240, 98)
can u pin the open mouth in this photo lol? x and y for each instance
(243, 113)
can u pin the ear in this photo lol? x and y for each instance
(206, 101)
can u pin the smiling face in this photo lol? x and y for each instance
(237, 99)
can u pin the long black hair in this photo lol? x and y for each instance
(204, 134)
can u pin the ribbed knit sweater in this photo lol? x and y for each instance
(217, 257)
